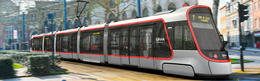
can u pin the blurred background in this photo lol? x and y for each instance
(20, 19)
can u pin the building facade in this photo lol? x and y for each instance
(9, 25)
(229, 23)
(255, 18)
(96, 12)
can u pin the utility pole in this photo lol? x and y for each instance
(243, 15)
(23, 30)
(19, 27)
(139, 8)
(65, 14)
(51, 17)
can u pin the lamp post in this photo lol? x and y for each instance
(138, 8)
(51, 16)
(65, 15)
(23, 30)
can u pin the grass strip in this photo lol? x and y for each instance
(17, 66)
(237, 61)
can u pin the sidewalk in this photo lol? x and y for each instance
(248, 70)
(248, 49)
(250, 73)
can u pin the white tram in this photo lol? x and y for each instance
(184, 42)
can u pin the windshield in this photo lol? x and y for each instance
(204, 29)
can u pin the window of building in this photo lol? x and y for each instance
(159, 9)
(256, 23)
(134, 14)
(76, 23)
(234, 22)
(172, 7)
(145, 12)
(258, 4)
(249, 24)
(85, 21)
(112, 4)
(124, 16)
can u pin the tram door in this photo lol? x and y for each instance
(124, 49)
(145, 48)
(134, 46)
(114, 47)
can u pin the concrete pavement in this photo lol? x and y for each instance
(90, 72)
(252, 69)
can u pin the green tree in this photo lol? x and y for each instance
(113, 7)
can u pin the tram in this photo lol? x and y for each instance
(184, 42)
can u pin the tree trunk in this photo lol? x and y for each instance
(215, 10)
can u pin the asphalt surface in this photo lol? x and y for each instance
(84, 71)
(116, 73)
(249, 55)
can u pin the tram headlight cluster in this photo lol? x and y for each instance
(218, 55)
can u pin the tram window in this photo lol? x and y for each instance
(58, 43)
(65, 42)
(33, 43)
(73, 42)
(39, 44)
(182, 36)
(124, 42)
(114, 44)
(188, 40)
(48, 43)
(161, 45)
(84, 42)
(146, 41)
(178, 37)
(134, 42)
(96, 42)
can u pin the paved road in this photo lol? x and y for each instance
(82, 71)
(113, 73)
(99, 72)
(255, 56)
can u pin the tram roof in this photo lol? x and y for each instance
(178, 15)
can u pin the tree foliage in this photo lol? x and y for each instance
(115, 9)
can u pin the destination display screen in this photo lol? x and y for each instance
(201, 20)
